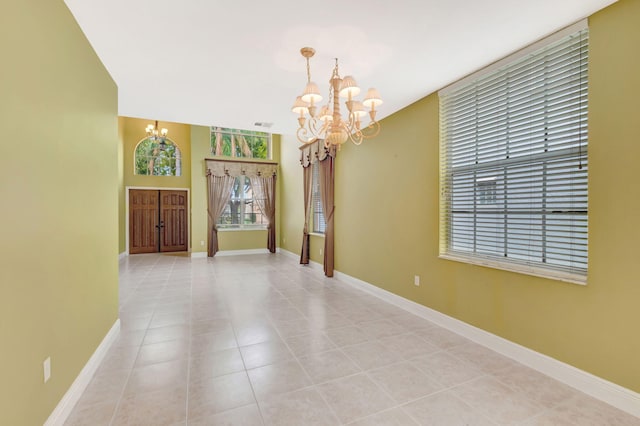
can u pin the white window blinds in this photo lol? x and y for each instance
(317, 220)
(514, 163)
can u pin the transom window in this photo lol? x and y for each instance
(242, 211)
(237, 143)
(514, 162)
(158, 159)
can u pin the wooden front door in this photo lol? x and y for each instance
(157, 221)
(173, 221)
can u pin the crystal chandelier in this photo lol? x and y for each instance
(156, 135)
(328, 123)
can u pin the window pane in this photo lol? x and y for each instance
(240, 143)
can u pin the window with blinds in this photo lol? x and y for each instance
(514, 162)
(317, 219)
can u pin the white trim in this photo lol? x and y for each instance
(62, 411)
(123, 255)
(242, 252)
(578, 26)
(155, 188)
(604, 390)
(246, 228)
(198, 254)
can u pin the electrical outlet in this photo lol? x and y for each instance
(284, 240)
(320, 252)
(202, 243)
(416, 280)
(47, 369)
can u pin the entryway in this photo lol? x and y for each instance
(157, 221)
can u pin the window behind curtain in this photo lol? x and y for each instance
(242, 211)
(317, 218)
(514, 163)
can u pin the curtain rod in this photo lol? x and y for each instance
(241, 161)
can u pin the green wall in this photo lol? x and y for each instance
(387, 220)
(59, 191)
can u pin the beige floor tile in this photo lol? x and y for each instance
(303, 407)
(346, 336)
(536, 386)
(446, 369)
(496, 401)
(372, 354)
(164, 407)
(95, 415)
(441, 337)
(162, 352)
(325, 366)
(409, 345)
(264, 353)
(212, 364)
(309, 343)
(444, 409)
(481, 357)
(354, 397)
(283, 376)
(288, 324)
(393, 417)
(165, 375)
(584, 411)
(404, 382)
(209, 396)
(166, 334)
(249, 415)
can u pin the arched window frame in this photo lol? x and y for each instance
(153, 154)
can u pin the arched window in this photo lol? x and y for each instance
(157, 158)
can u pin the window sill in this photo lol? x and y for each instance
(316, 234)
(241, 229)
(521, 269)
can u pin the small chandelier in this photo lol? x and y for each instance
(156, 135)
(328, 124)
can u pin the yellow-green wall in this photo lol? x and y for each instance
(387, 220)
(59, 192)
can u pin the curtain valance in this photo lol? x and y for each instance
(315, 151)
(250, 169)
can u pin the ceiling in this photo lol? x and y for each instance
(233, 63)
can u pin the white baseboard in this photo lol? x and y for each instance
(242, 252)
(122, 255)
(199, 254)
(604, 390)
(62, 411)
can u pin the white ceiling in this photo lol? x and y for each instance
(233, 63)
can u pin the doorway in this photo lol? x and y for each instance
(157, 221)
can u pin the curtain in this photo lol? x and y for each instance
(219, 191)
(307, 180)
(327, 185)
(264, 195)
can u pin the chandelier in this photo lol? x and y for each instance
(156, 135)
(328, 123)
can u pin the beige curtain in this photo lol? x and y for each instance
(327, 185)
(264, 194)
(307, 180)
(219, 191)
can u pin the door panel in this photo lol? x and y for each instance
(143, 218)
(173, 221)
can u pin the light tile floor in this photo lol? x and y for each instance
(261, 340)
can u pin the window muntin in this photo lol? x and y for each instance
(242, 211)
(156, 159)
(238, 143)
(514, 162)
(317, 214)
